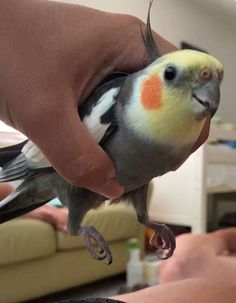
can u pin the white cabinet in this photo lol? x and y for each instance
(180, 197)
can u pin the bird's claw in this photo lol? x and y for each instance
(163, 240)
(96, 244)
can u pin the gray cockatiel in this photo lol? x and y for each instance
(147, 122)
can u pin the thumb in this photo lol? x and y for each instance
(72, 151)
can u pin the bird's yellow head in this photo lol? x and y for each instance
(173, 96)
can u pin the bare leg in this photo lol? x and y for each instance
(94, 241)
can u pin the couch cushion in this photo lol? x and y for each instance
(115, 222)
(25, 239)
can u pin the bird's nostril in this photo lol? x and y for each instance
(206, 74)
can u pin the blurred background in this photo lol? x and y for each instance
(38, 259)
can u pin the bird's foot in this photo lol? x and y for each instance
(96, 244)
(163, 240)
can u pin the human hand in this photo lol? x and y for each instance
(52, 56)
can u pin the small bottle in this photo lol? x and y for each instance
(151, 270)
(134, 268)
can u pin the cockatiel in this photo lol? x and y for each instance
(147, 122)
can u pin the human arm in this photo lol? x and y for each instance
(205, 255)
(192, 290)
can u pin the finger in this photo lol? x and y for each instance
(71, 150)
(133, 53)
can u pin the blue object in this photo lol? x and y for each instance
(55, 202)
(231, 144)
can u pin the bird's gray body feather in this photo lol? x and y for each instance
(137, 162)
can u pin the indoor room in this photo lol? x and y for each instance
(117, 151)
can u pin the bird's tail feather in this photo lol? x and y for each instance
(13, 164)
(15, 169)
(10, 152)
(28, 195)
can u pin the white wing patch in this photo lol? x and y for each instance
(92, 122)
(35, 157)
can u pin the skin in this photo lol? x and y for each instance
(202, 264)
(52, 215)
(5, 190)
(49, 65)
(203, 255)
(192, 290)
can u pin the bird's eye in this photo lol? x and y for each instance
(170, 73)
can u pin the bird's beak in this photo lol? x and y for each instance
(206, 98)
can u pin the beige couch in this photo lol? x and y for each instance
(37, 260)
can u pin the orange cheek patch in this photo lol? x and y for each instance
(151, 93)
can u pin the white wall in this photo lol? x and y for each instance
(187, 20)
(180, 20)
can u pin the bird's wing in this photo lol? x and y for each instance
(18, 161)
(13, 165)
(30, 194)
(97, 114)
(10, 152)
